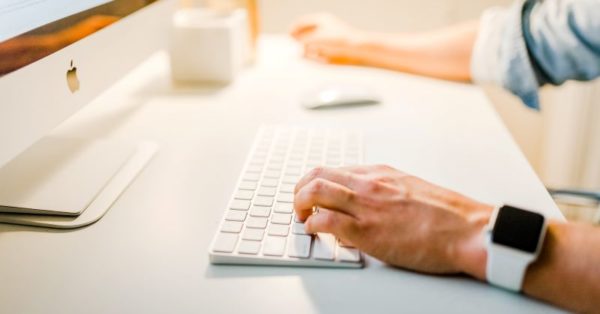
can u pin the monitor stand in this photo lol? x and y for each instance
(69, 183)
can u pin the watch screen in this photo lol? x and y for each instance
(517, 228)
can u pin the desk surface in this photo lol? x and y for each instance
(149, 254)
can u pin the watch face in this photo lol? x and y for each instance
(518, 229)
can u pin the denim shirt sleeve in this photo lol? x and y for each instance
(537, 42)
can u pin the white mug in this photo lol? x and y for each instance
(208, 46)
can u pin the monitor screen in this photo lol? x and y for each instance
(33, 29)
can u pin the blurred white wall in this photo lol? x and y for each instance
(387, 15)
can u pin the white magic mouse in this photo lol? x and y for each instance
(339, 96)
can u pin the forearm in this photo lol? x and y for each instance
(444, 53)
(567, 272)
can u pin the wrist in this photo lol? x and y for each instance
(364, 46)
(401, 52)
(471, 251)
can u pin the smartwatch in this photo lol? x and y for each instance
(514, 239)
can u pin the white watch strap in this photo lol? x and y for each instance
(506, 268)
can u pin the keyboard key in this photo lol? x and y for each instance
(232, 226)
(271, 183)
(256, 222)
(240, 205)
(276, 166)
(315, 154)
(333, 164)
(253, 234)
(299, 246)
(254, 168)
(225, 242)
(263, 201)
(324, 247)
(281, 148)
(334, 155)
(311, 166)
(348, 255)
(261, 152)
(298, 228)
(295, 161)
(262, 148)
(279, 230)
(285, 197)
(266, 139)
(260, 211)
(276, 159)
(287, 188)
(249, 247)
(313, 161)
(351, 161)
(344, 244)
(244, 195)
(316, 150)
(248, 185)
(298, 151)
(294, 171)
(266, 191)
(284, 208)
(272, 174)
(253, 177)
(296, 219)
(290, 179)
(235, 215)
(281, 219)
(258, 160)
(274, 246)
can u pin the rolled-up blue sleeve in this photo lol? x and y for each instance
(533, 43)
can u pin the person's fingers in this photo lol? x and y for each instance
(298, 31)
(330, 174)
(313, 54)
(323, 193)
(305, 25)
(336, 223)
(357, 169)
(308, 24)
(333, 53)
(330, 52)
(315, 57)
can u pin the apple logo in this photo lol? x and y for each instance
(72, 79)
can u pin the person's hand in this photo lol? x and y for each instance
(397, 218)
(326, 38)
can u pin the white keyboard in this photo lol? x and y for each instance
(259, 226)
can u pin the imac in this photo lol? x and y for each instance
(56, 57)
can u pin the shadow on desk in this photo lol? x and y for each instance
(379, 289)
(9, 228)
(163, 86)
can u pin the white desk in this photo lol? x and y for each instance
(149, 254)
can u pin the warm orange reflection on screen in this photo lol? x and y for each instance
(25, 49)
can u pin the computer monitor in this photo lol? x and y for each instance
(56, 56)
